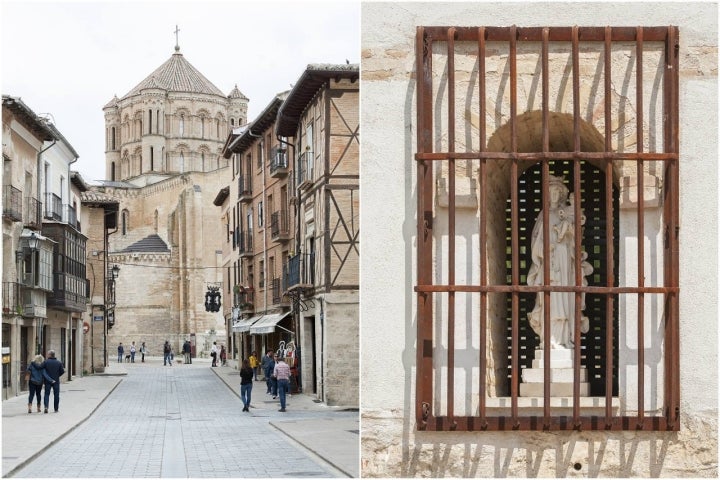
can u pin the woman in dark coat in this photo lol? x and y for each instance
(36, 376)
(246, 384)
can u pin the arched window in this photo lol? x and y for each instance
(182, 125)
(202, 127)
(125, 221)
(112, 138)
(155, 221)
(112, 171)
(232, 122)
(182, 162)
(149, 121)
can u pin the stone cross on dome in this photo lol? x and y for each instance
(177, 43)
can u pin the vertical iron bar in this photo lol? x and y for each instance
(546, 224)
(514, 229)
(483, 226)
(609, 237)
(424, 368)
(577, 226)
(641, 226)
(672, 145)
(451, 225)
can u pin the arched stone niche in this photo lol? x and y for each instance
(467, 221)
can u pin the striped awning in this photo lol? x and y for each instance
(267, 323)
(243, 325)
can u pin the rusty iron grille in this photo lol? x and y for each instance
(499, 110)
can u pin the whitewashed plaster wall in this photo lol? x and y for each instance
(391, 446)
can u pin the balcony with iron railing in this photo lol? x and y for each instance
(305, 170)
(296, 277)
(279, 226)
(53, 207)
(245, 300)
(71, 217)
(18, 299)
(278, 162)
(12, 203)
(245, 188)
(245, 244)
(11, 296)
(277, 292)
(33, 213)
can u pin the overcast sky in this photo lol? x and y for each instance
(69, 58)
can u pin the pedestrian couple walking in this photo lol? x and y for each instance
(48, 372)
(277, 377)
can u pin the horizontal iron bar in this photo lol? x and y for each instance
(541, 288)
(494, 423)
(607, 156)
(555, 34)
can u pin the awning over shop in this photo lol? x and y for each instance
(243, 325)
(267, 323)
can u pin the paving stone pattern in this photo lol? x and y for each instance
(178, 422)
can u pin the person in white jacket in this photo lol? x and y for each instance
(214, 352)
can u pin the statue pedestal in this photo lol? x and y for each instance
(561, 375)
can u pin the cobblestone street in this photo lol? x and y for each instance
(180, 421)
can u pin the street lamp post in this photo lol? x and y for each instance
(33, 244)
(109, 303)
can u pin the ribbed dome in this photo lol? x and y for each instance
(236, 93)
(112, 102)
(177, 75)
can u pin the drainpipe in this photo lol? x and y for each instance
(70, 319)
(39, 193)
(264, 193)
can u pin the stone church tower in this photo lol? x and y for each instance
(163, 168)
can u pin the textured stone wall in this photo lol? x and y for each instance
(391, 445)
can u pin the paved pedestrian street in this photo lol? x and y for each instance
(180, 421)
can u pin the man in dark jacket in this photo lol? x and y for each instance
(54, 369)
(268, 367)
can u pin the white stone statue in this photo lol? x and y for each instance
(562, 269)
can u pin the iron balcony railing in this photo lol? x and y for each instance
(278, 161)
(245, 243)
(12, 203)
(53, 207)
(291, 272)
(71, 216)
(244, 187)
(279, 229)
(294, 274)
(11, 303)
(33, 213)
(276, 290)
(305, 170)
(245, 301)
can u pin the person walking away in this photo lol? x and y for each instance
(282, 375)
(121, 351)
(36, 375)
(132, 353)
(246, 384)
(223, 355)
(214, 354)
(143, 350)
(166, 354)
(54, 369)
(187, 352)
(269, 360)
(254, 364)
